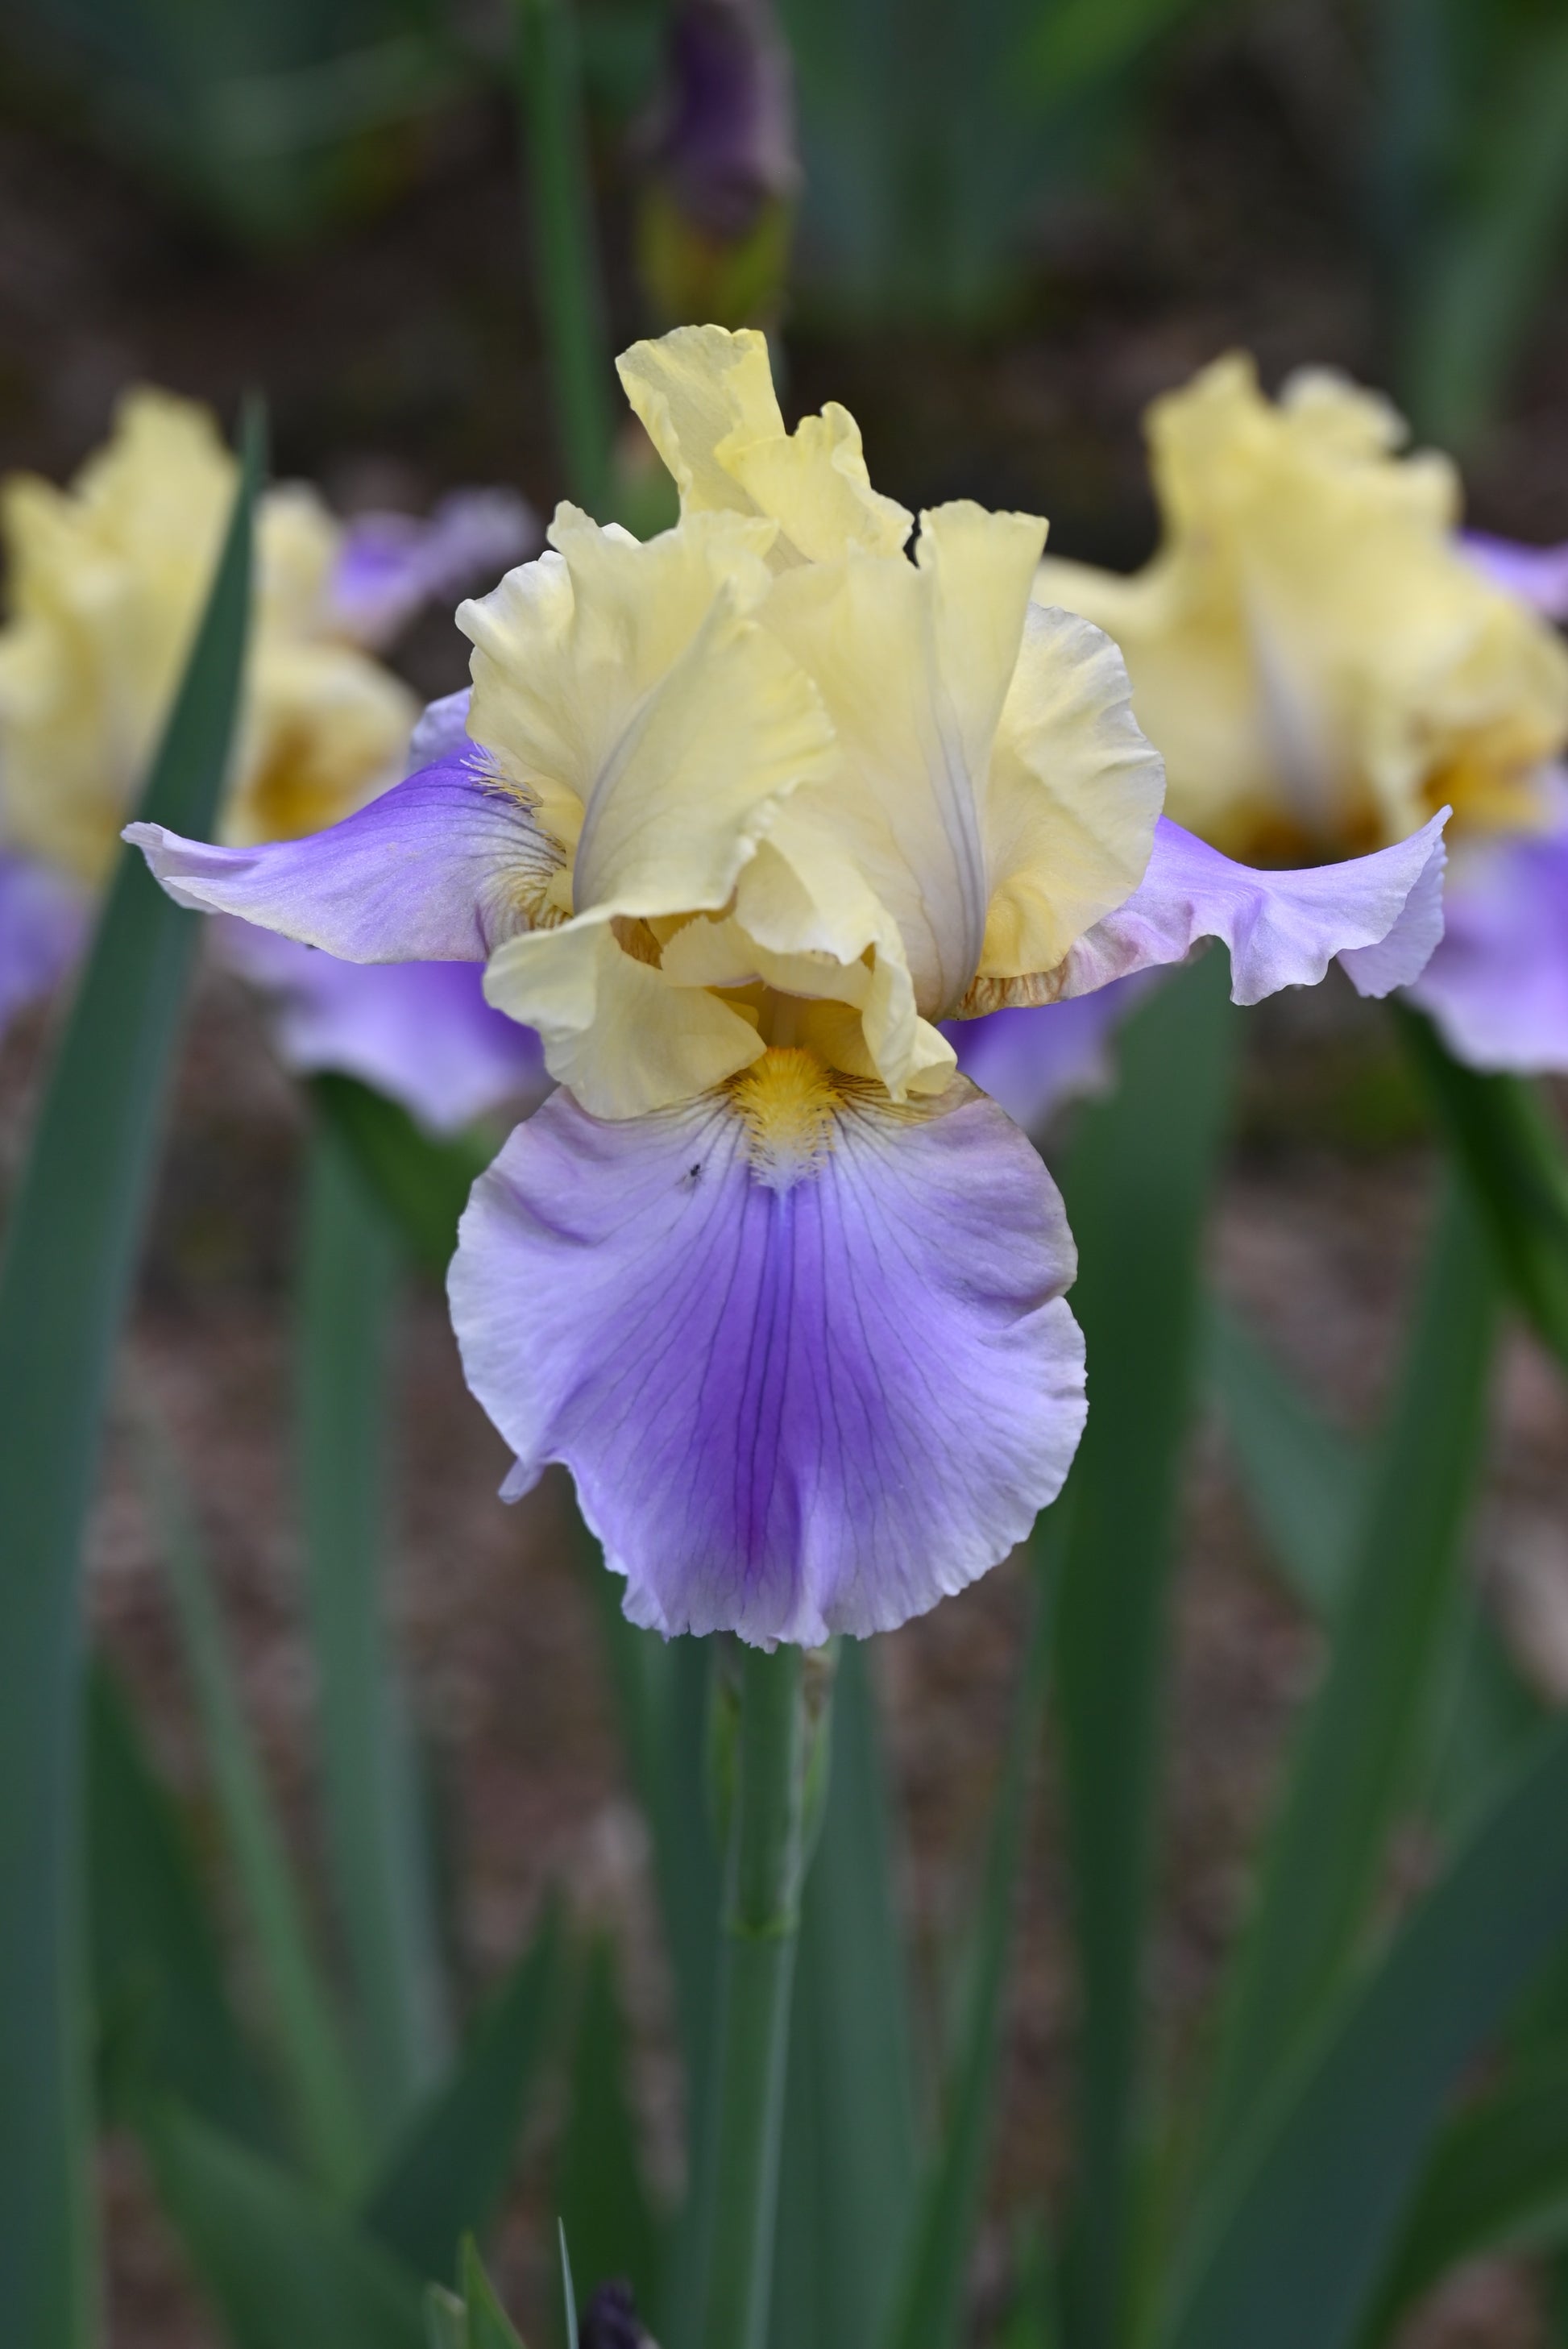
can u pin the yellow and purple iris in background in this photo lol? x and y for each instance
(106, 582)
(1322, 659)
(743, 815)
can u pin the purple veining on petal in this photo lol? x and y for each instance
(1035, 1060)
(421, 1032)
(43, 921)
(393, 563)
(1536, 574)
(725, 143)
(1379, 916)
(1498, 984)
(433, 871)
(789, 1412)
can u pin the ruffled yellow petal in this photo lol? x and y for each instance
(913, 663)
(628, 693)
(705, 398)
(1075, 792)
(615, 1029)
(694, 389)
(814, 482)
(797, 898)
(1316, 659)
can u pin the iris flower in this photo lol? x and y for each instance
(743, 815)
(105, 582)
(1321, 662)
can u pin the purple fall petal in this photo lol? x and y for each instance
(1379, 916)
(789, 1411)
(392, 563)
(433, 871)
(1536, 574)
(43, 920)
(440, 730)
(1498, 984)
(421, 1032)
(1033, 1060)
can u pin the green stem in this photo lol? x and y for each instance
(565, 254)
(765, 1866)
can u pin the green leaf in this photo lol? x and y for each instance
(1078, 42)
(928, 2307)
(1305, 1482)
(599, 2187)
(490, 2327)
(163, 2013)
(446, 2319)
(660, 1690)
(1290, 2246)
(661, 1707)
(1355, 1753)
(422, 1184)
(70, 1256)
(568, 2291)
(381, 1865)
(306, 2043)
(450, 2174)
(1031, 2319)
(848, 2187)
(1304, 1479)
(1480, 284)
(283, 2269)
(1509, 1147)
(1137, 1186)
(1497, 2179)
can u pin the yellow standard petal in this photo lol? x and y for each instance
(1075, 790)
(705, 398)
(914, 662)
(1318, 663)
(806, 791)
(630, 695)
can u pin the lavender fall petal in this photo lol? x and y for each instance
(1033, 1060)
(437, 869)
(1498, 984)
(1536, 574)
(804, 1386)
(420, 1032)
(1381, 915)
(390, 565)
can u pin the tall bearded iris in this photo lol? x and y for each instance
(1322, 661)
(105, 584)
(744, 814)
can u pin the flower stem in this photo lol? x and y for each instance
(566, 258)
(779, 1740)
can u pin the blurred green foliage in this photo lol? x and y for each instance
(936, 135)
(270, 115)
